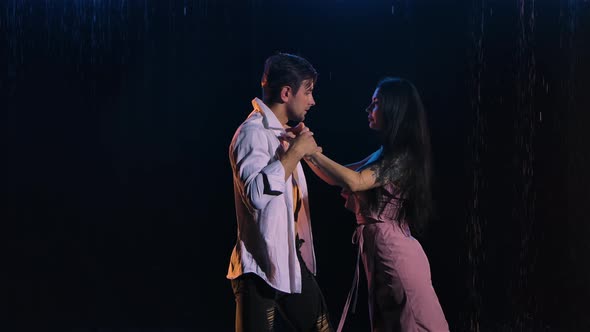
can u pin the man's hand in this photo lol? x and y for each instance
(301, 139)
(297, 129)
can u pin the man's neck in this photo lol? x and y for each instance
(280, 112)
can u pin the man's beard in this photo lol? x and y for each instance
(294, 117)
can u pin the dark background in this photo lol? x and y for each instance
(117, 209)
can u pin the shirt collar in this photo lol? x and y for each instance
(270, 120)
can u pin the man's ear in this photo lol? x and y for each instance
(286, 93)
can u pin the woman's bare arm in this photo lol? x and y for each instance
(336, 174)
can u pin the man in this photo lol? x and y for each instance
(273, 265)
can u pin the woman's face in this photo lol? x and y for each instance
(375, 114)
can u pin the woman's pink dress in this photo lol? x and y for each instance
(400, 292)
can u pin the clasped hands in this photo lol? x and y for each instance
(301, 139)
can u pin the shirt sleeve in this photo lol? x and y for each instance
(262, 180)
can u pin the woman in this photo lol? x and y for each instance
(390, 194)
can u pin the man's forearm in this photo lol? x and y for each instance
(289, 160)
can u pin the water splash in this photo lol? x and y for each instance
(525, 121)
(475, 217)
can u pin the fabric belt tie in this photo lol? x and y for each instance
(357, 238)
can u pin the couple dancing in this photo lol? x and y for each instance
(272, 266)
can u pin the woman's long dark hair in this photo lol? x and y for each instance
(406, 159)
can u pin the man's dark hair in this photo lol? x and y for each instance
(284, 69)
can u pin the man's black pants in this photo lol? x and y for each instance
(257, 304)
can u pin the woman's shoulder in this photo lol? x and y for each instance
(372, 159)
(375, 156)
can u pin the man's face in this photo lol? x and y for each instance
(299, 103)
